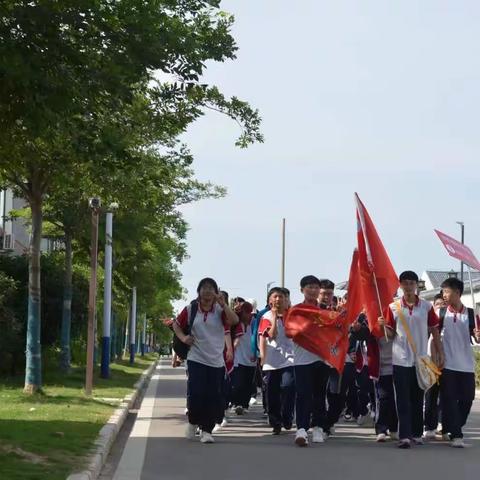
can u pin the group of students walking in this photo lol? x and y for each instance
(230, 345)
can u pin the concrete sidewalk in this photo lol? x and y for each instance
(156, 448)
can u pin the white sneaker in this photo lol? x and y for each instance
(206, 437)
(252, 401)
(430, 435)
(224, 422)
(301, 438)
(418, 441)
(332, 430)
(190, 431)
(317, 435)
(439, 428)
(394, 436)
(361, 420)
(217, 428)
(381, 438)
(457, 443)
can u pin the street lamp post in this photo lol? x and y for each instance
(133, 325)
(107, 295)
(95, 205)
(462, 228)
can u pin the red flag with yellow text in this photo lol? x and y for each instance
(323, 332)
(374, 270)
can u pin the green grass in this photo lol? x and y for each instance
(48, 435)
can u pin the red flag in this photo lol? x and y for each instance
(378, 280)
(323, 332)
(458, 250)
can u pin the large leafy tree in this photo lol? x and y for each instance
(69, 71)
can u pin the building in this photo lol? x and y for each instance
(15, 232)
(432, 279)
(14, 235)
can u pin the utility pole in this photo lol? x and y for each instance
(283, 255)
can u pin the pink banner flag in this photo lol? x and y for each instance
(458, 250)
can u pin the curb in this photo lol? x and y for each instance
(109, 431)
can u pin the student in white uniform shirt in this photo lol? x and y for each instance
(205, 362)
(311, 378)
(421, 319)
(245, 362)
(276, 354)
(457, 383)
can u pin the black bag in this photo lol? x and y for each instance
(180, 348)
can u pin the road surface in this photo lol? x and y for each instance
(155, 448)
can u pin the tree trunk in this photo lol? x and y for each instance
(33, 369)
(65, 355)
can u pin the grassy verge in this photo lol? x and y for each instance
(46, 436)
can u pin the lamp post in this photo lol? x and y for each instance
(133, 325)
(107, 294)
(95, 204)
(462, 229)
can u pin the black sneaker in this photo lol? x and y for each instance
(287, 426)
(277, 430)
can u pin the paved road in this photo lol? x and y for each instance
(245, 449)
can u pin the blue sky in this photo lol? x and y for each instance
(376, 97)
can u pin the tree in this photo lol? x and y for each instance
(67, 64)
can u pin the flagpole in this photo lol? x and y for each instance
(370, 260)
(283, 255)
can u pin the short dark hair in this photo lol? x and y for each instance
(408, 275)
(207, 281)
(454, 284)
(239, 299)
(309, 280)
(275, 290)
(438, 296)
(286, 291)
(327, 284)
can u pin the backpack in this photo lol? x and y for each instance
(471, 318)
(180, 348)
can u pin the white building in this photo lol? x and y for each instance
(14, 232)
(434, 278)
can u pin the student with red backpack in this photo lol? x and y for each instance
(204, 333)
(457, 383)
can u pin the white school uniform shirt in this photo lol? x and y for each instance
(302, 356)
(419, 318)
(209, 330)
(456, 341)
(243, 353)
(279, 350)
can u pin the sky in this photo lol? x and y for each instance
(379, 98)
